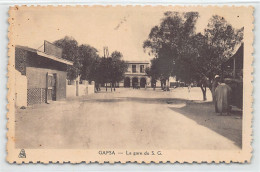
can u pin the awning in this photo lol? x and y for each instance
(55, 58)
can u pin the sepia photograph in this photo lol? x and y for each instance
(135, 83)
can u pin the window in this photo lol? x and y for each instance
(141, 68)
(128, 68)
(133, 68)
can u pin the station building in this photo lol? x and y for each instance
(135, 75)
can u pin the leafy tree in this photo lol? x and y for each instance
(156, 71)
(70, 52)
(89, 61)
(190, 56)
(213, 48)
(103, 71)
(112, 69)
(119, 67)
(116, 55)
(167, 42)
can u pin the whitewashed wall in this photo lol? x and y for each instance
(83, 89)
(70, 91)
(20, 89)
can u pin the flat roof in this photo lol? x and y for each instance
(40, 53)
(143, 62)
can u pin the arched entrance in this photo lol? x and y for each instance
(135, 82)
(127, 82)
(142, 82)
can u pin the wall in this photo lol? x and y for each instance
(20, 89)
(83, 89)
(70, 90)
(91, 89)
(36, 78)
(20, 60)
(129, 69)
(121, 84)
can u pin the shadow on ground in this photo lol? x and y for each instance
(203, 113)
(139, 100)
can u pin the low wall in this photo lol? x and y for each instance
(82, 89)
(20, 89)
(91, 89)
(70, 90)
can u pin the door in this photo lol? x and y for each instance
(54, 87)
(51, 87)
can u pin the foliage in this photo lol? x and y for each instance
(113, 68)
(116, 55)
(189, 56)
(70, 52)
(168, 41)
(89, 62)
(88, 65)
(154, 70)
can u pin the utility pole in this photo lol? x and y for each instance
(106, 55)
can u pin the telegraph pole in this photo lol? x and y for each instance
(106, 55)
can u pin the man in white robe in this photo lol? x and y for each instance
(222, 98)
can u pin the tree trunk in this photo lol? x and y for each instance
(168, 85)
(111, 86)
(212, 94)
(114, 87)
(106, 87)
(204, 91)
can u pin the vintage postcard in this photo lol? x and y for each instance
(130, 84)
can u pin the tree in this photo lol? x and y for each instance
(116, 55)
(156, 71)
(119, 67)
(86, 61)
(214, 47)
(94, 73)
(189, 56)
(70, 52)
(167, 42)
(103, 71)
(114, 68)
(89, 61)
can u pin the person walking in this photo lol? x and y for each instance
(213, 88)
(222, 98)
(189, 88)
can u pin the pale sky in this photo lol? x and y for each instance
(120, 28)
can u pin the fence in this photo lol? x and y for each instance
(36, 96)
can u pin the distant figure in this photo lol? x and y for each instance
(214, 86)
(222, 98)
(97, 87)
(189, 87)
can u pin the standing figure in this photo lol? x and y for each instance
(189, 87)
(222, 98)
(214, 86)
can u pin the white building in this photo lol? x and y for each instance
(135, 75)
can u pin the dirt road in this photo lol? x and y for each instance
(129, 118)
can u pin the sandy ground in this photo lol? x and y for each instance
(127, 118)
